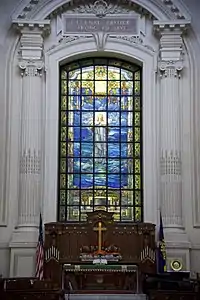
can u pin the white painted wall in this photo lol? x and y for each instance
(11, 259)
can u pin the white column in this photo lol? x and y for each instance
(170, 71)
(32, 122)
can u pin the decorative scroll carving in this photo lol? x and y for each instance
(31, 67)
(171, 68)
(170, 163)
(30, 163)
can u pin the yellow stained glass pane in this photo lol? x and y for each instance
(137, 75)
(137, 150)
(100, 72)
(137, 198)
(63, 103)
(137, 103)
(62, 181)
(138, 214)
(63, 149)
(63, 118)
(74, 87)
(62, 165)
(100, 87)
(63, 74)
(137, 87)
(62, 197)
(73, 213)
(63, 134)
(62, 213)
(113, 73)
(137, 182)
(63, 86)
(137, 118)
(137, 134)
(137, 166)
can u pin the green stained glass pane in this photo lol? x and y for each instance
(62, 181)
(63, 149)
(62, 197)
(63, 74)
(63, 118)
(137, 182)
(63, 133)
(137, 149)
(137, 166)
(138, 214)
(137, 119)
(63, 102)
(137, 198)
(62, 213)
(137, 103)
(137, 134)
(63, 86)
(137, 75)
(137, 87)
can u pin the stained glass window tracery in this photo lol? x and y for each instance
(100, 159)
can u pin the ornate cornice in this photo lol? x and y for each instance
(169, 8)
(35, 26)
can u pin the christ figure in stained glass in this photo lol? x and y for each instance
(100, 134)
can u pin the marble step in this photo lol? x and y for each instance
(106, 297)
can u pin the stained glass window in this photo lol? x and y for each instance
(100, 150)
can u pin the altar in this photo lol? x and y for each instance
(100, 255)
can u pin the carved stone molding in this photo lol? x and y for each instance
(170, 163)
(31, 67)
(29, 10)
(42, 27)
(30, 162)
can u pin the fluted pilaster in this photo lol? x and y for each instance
(170, 66)
(31, 69)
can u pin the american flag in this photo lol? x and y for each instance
(40, 253)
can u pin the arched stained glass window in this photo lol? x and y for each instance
(100, 160)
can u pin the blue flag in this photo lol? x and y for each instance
(162, 267)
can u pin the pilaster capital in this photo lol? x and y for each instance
(170, 68)
(32, 37)
(31, 67)
(170, 60)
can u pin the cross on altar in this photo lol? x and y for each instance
(99, 229)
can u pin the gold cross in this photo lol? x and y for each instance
(100, 229)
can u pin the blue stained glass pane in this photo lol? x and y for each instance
(100, 165)
(113, 166)
(100, 179)
(114, 134)
(77, 149)
(124, 150)
(86, 180)
(113, 118)
(77, 164)
(86, 165)
(124, 118)
(76, 118)
(77, 180)
(113, 150)
(77, 134)
(114, 103)
(124, 166)
(124, 134)
(100, 103)
(87, 118)
(114, 181)
(86, 149)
